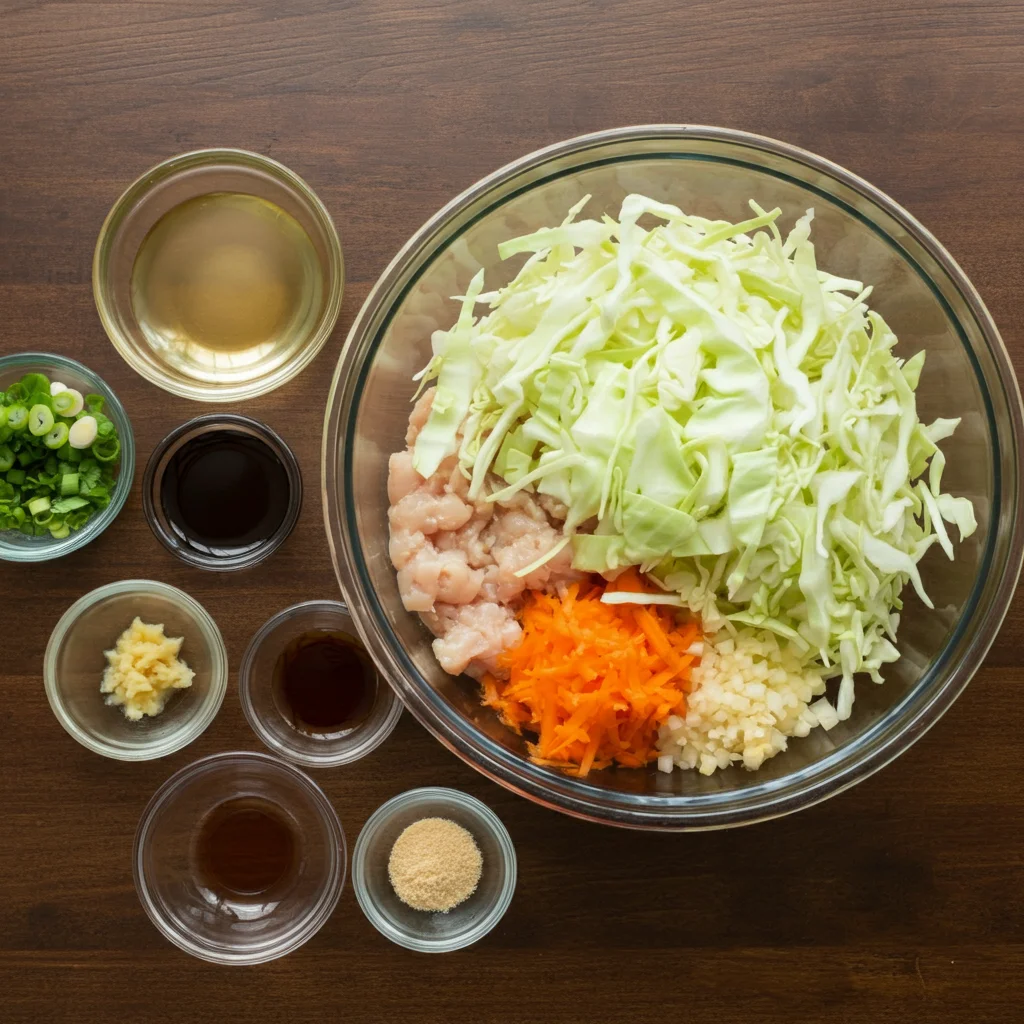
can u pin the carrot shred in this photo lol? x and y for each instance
(594, 681)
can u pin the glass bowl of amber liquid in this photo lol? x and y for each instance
(311, 692)
(218, 275)
(239, 858)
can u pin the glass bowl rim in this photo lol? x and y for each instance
(315, 918)
(51, 549)
(191, 730)
(896, 730)
(184, 387)
(250, 558)
(373, 738)
(412, 798)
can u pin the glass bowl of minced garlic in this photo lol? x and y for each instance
(135, 670)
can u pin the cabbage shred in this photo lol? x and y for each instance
(713, 407)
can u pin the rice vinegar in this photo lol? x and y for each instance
(225, 286)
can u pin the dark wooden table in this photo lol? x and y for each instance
(898, 901)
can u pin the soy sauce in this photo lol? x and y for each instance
(246, 847)
(225, 493)
(325, 682)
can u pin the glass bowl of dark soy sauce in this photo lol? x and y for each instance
(310, 690)
(222, 492)
(239, 858)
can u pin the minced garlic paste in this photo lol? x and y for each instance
(143, 670)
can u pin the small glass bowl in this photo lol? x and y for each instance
(73, 667)
(243, 930)
(170, 184)
(416, 929)
(16, 547)
(152, 490)
(261, 703)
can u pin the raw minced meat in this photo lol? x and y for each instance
(457, 558)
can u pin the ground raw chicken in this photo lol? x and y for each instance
(457, 558)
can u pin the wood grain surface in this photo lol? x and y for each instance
(898, 901)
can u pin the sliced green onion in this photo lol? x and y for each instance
(47, 486)
(83, 432)
(64, 403)
(40, 420)
(57, 437)
(17, 417)
(76, 520)
(35, 382)
(40, 398)
(77, 402)
(72, 504)
(106, 449)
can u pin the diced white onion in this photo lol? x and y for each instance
(750, 694)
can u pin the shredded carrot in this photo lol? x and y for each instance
(594, 681)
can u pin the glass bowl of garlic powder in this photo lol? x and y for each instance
(395, 869)
(135, 670)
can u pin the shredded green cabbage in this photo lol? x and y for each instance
(713, 407)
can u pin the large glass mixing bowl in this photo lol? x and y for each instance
(858, 232)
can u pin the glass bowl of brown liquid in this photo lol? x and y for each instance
(239, 858)
(218, 275)
(310, 690)
(222, 492)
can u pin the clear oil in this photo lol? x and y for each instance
(225, 286)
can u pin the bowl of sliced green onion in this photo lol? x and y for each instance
(67, 456)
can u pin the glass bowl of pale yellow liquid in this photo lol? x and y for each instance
(218, 275)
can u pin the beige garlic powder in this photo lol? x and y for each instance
(435, 865)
